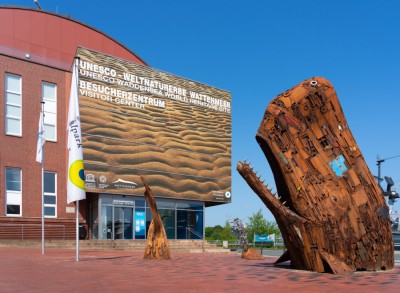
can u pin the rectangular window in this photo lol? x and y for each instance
(49, 96)
(13, 113)
(50, 194)
(13, 192)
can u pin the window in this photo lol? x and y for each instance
(13, 192)
(49, 96)
(168, 218)
(13, 105)
(50, 194)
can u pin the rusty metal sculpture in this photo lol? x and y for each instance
(331, 212)
(157, 243)
(239, 230)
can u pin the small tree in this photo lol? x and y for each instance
(216, 232)
(258, 225)
(208, 232)
(226, 233)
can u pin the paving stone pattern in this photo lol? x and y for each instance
(27, 270)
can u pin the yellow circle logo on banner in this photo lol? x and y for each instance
(76, 174)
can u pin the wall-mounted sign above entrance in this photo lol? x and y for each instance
(123, 202)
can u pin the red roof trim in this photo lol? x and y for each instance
(76, 21)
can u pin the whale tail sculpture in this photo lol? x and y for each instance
(157, 243)
(331, 212)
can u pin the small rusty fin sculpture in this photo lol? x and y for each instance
(331, 212)
(157, 242)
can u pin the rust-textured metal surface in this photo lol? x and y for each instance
(157, 243)
(331, 212)
(252, 254)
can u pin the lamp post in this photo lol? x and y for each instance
(37, 4)
(378, 163)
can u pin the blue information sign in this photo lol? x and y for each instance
(264, 238)
(140, 223)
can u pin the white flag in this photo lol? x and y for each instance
(40, 140)
(76, 179)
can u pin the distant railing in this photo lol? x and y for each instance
(190, 231)
(31, 231)
(278, 242)
(230, 243)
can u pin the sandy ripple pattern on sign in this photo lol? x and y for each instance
(183, 149)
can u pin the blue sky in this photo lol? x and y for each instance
(258, 49)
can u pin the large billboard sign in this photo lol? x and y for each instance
(138, 121)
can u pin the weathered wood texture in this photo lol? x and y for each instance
(157, 242)
(331, 212)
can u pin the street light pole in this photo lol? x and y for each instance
(379, 162)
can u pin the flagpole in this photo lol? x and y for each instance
(77, 230)
(76, 181)
(76, 60)
(42, 102)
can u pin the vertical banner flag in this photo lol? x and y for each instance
(40, 140)
(76, 179)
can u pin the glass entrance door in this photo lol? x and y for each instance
(123, 223)
(118, 223)
(106, 222)
(128, 223)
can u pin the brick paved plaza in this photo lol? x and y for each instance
(27, 270)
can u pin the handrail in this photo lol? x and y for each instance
(22, 226)
(190, 230)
